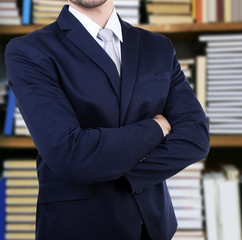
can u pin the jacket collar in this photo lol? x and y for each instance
(77, 34)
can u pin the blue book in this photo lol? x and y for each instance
(26, 12)
(2, 208)
(9, 117)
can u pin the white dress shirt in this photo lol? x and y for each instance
(93, 28)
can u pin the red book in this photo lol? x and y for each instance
(199, 11)
(220, 10)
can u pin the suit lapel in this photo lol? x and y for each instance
(130, 57)
(82, 39)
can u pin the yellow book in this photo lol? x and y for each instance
(43, 21)
(21, 200)
(19, 164)
(168, 8)
(20, 236)
(22, 183)
(228, 10)
(22, 191)
(20, 227)
(20, 209)
(165, 19)
(20, 218)
(194, 9)
(20, 174)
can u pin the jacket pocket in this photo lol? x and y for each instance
(61, 190)
(152, 77)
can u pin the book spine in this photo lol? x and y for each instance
(9, 117)
(26, 12)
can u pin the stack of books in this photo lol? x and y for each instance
(169, 12)
(21, 198)
(188, 67)
(46, 11)
(14, 123)
(222, 204)
(128, 10)
(218, 11)
(186, 193)
(224, 82)
(9, 13)
(20, 127)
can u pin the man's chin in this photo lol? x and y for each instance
(88, 3)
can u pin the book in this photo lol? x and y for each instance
(170, 19)
(9, 117)
(227, 10)
(160, 8)
(212, 11)
(201, 81)
(26, 12)
(2, 208)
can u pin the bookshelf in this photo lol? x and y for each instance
(163, 28)
(215, 141)
(223, 147)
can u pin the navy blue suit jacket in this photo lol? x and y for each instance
(102, 161)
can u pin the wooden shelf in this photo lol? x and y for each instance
(215, 141)
(163, 28)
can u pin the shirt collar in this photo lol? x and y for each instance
(93, 28)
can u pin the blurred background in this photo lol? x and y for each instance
(207, 196)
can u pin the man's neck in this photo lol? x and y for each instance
(99, 15)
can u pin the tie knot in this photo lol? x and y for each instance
(105, 34)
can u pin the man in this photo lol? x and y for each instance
(111, 120)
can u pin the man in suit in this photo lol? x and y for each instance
(110, 122)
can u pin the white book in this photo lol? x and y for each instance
(188, 174)
(189, 61)
(224, 114)
(193, 183)
(224, 93)
(12, 4)
(223, 49)
(212, 10)
(224, 55)
(131, 20)
(220, 37)
(225, 104)
(224, 109)
(224, 66)
(225, 77)
(189, 238)
(196, 166)
(225, 44)
(229, 210)
(228, 126)
(225, 83)
(9, 13)
(225, 131)
(224, 71)
(225, 120)
(223, 88)
(128, 12)
(205, 11)
(190, 224)
(126, 3)
(222, 60)
(20, 122)
(201, 80)
(210, 201)
(186, 193)
(189, 213)
(188, 203)
(10, 20)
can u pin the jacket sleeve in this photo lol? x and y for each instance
(187, 143)
(78, 155)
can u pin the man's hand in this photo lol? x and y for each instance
(164, 124)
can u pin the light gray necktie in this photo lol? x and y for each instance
(106, 35)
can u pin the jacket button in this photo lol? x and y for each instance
(139, 191)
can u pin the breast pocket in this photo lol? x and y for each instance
(154, 77)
